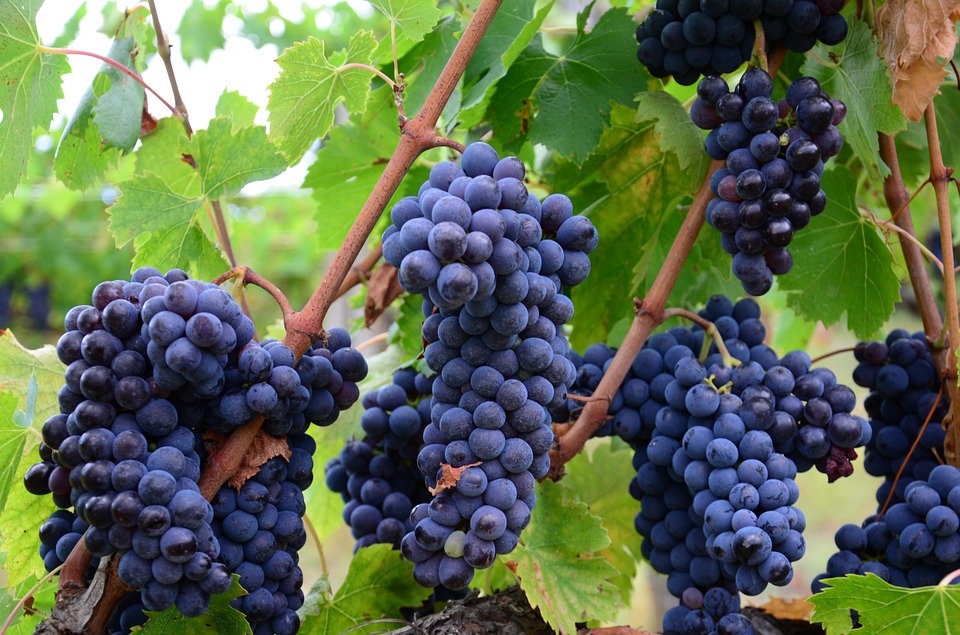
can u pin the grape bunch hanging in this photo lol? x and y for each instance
(689, 38)
(154, 366)
(491, 262)
(717, 449)
(774, 152)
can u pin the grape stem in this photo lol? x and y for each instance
(117, 65)
(940, 177)
(709, 328)
(392, 84)
(373, 341)
(887, 227)
(246, 275)
(839, 351)
(29, 594)
(163, 50)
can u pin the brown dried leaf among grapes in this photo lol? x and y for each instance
(913, 35)
(449, 477)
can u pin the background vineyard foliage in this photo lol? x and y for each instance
(616, 140)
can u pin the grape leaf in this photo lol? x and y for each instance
(884, 608)
(842, 264)
(378, 584)
(643, 187)
(20, 521)
(563, 102)
(599, 479)
(200, 29)
(233, 105)
(917, 37)
(229, 158)
(29, 87)
(13, 438)
(677, 133)
(856, 77)
(912, 143)
(219, 618)
(405, 331)
(426, 61)
(188, 249)
(84, 152)
(349, 164)
(560, 569)
(20, 366)
(71, 27)
(413, 18)
(311, 85)
(510, 32)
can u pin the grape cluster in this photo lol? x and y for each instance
(152, 365)
(717, 451)
(904, 387)
(716, 611)
(377, 477)
(774, 152)
(491, 261)
(913, 539)
(689, 38)
(118, 452)
(914, 543)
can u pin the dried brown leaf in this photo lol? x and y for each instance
(263, 448)
(913, 35)
(449, 477)
(789, 608)
(383, 288)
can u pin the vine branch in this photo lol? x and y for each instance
(898, 201)
(940, 177)
(306, 326)
(163, 50)
(360, 272)
(649, 314)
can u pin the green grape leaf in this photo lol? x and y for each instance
(884, 608)
(20, 521)
(413, 18)
(405, 331)
(162, 217)
(13, 437)
(842, 264)
(378, 584)
(160, 153)
(311, 85)
(19, 367)
(119, 112)
(677, 133)
(510, 32)
(856, 75)
(563, 102)
(426, 61)
(349, 164)
(912, 143)
(71, 27)
(82, 158)
(233, 105)
(643, 189)
(219, 618)
(108, 117)
(188, 248)
(201, 29)
(599, 479)
(560, 569)
(29, 88)
(227, 158)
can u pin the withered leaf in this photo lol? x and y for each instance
(383, 288)
(449, 477)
